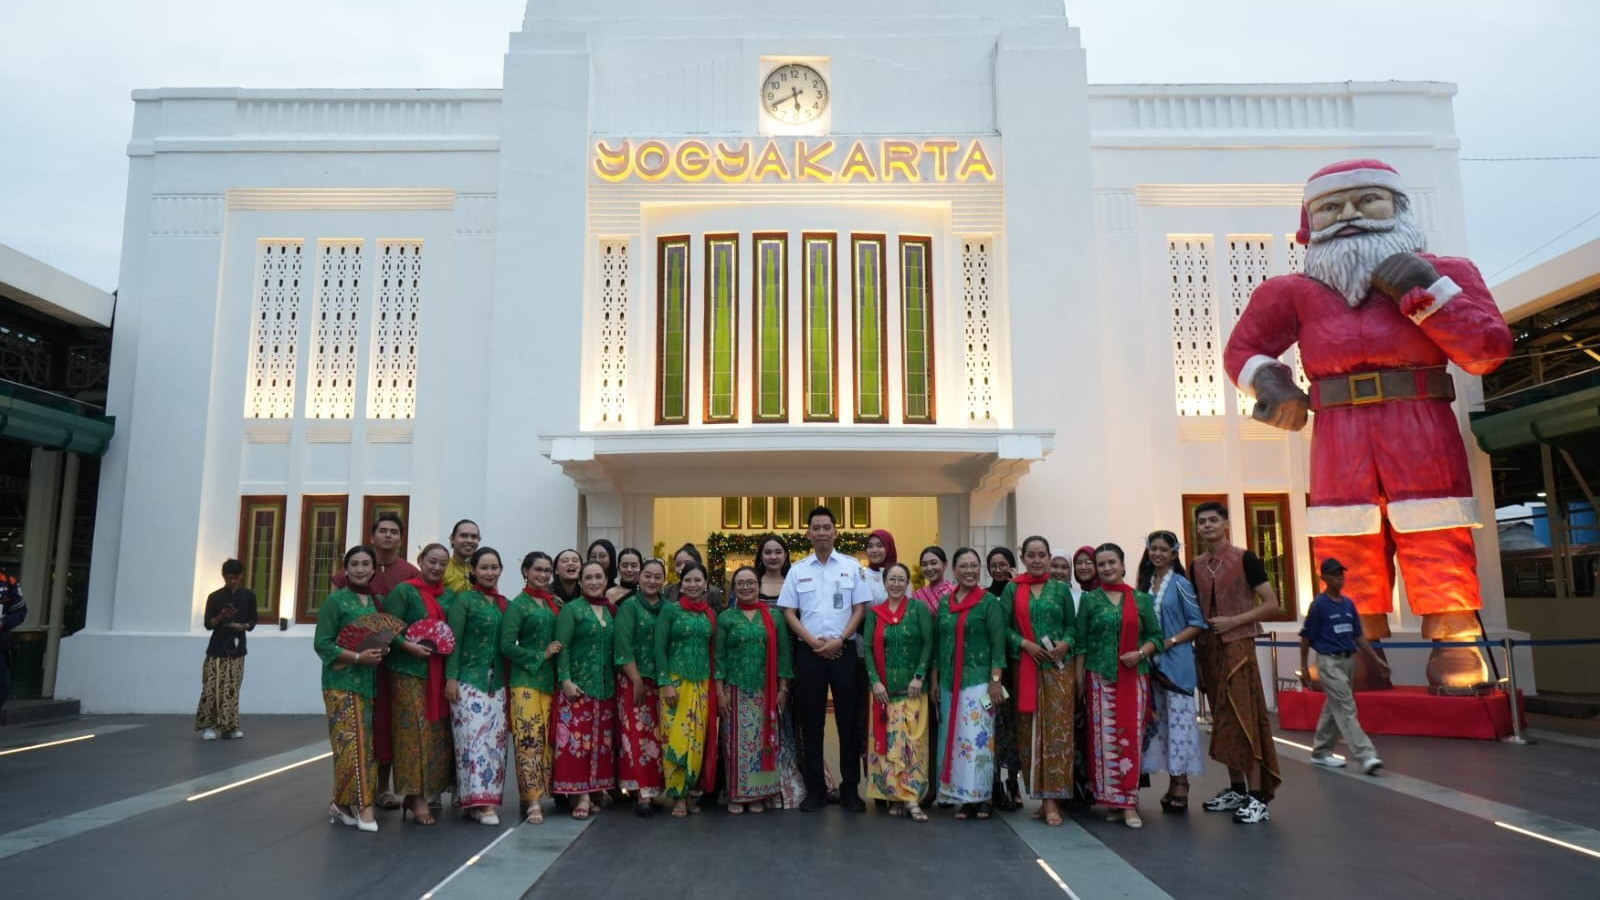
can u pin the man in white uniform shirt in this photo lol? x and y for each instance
(824, 599)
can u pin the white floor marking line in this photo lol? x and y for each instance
(70, 740)
(1544, 837)
(1057, 878)
(471, 861)
(243, 782)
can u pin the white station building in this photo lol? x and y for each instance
(689, 272)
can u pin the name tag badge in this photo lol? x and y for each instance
(1342, 628)
(838, 599)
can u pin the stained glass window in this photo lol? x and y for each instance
(672, 348)
(820, 373)
(722, 328)
(771, 329)
(867, 294)
(322, 546)
(261, 549)
(916, 328)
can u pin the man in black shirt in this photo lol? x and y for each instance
(230, 612)
(12, 612)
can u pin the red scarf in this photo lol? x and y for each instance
(435, 707)
(1028, 672)
(708, 765)
(550, 600)
(886, 617)
(961, 608)
(769, 730)
(1128, 679)
(500, 601)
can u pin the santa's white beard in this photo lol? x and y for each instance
(1346, 263)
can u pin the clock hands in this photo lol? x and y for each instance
(796, 98)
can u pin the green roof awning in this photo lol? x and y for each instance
(1539, 423)
(54, 423)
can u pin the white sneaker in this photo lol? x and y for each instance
(234, 735)
(1251, 812)
(1226, 800)
(1371, 764)
(1331, 761)
(210, 734)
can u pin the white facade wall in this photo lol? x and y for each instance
(1081, 441)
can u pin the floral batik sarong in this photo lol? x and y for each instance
(742, 749)
(970, 775)
(1045, 737)
(685, 727)
(901, 774)
(1116, 735)
(478, 723)
(790, 780)
(1173, 742)
(586, 751)
(220, 679)
(355, 766)
(531, 743)
(424, 763)
(638, 738)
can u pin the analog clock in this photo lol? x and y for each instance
(794, 94)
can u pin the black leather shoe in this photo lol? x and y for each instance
(852, 802)
(812, 803)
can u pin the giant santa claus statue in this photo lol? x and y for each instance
(1377, 320)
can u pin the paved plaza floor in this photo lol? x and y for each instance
(143, 809)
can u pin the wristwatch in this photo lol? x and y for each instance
(995, 679)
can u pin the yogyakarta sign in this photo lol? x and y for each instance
(796, 160)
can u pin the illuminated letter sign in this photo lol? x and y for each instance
(796, 161)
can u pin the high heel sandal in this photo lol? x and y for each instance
(422, 816)
(338, 816)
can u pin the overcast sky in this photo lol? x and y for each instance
(1525, 70)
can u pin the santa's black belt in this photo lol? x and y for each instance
(1364, 388)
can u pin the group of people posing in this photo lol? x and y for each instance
(603, 679)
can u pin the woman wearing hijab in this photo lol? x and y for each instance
(1040, 640)
(971, 645)
(424, 762)
(475, 685)
(684, 647)
(1118, 634)
(1173, 744)
(1002, 564)
(586, 708)
(527, 639)
(638, 701)
(752, 676)
(900, 636)
(349, 683)
(1083, 581)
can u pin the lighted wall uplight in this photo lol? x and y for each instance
(1540, 495)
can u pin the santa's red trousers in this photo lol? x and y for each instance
(1440, 568)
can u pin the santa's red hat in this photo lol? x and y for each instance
(1342, 176)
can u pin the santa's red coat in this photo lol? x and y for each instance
(1407, 452)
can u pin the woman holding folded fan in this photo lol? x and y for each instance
(1041, 636)
(1118, 633)
(586, 708)
(899, 637)
(753, 669)
(349, 683)
(528, 642)
(685, 641)
(639, 737)
(424, 763)
(972, 645)
(475, 683)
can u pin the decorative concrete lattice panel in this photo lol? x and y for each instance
(275, 330)
(1197, 350)
(335, 351)
(977, 309)
(1249, 264)
(613, 330)
(392, 385)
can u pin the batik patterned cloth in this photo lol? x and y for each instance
(1116, 734)
(478, 723)
(586, 753)
(1045, 736)
(355, 766)
(685, 726)
(1241, 733)
(220, 678)
(901, 774)
(1172, 744)
(423, 752)
(970, 778)
(741, 725)
(532, 744)
(638, 738)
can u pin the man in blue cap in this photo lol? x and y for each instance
(1333, 629)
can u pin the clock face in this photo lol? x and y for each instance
(794, 94)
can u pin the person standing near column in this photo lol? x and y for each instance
(464, 539)
(230, 612)
(1235, 596)
(824, 599)
(1333, 629)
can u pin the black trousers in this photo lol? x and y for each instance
(813, 678)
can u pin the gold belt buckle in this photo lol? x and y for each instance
(1366, 388)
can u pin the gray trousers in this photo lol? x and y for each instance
(1339, 710)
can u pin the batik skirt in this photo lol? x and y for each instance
(1045, 738)
(1241, 733)
(970, 776)
(901, 774)
(1116, 734)
(423, 756)
(741, 724)
(355, 765)
(220, 679)
(686, 727)
(531, 743)
(478, 724)
(638, 738)
(586, 749)
(1172, 744)
(789, 777)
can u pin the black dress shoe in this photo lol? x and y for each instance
(812, 803)
(852, 802)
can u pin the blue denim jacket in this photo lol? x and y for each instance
(1178, 608)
